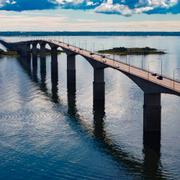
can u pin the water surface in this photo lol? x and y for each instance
(42, 136)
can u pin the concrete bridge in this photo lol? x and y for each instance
(149, 166)
(152, 84)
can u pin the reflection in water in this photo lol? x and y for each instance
(152, 164)
(28, 63)
(34, 67)
(71, 92)
(43, 72)
(149, 168)
(54, 77)
(99, 113)
(152, 134)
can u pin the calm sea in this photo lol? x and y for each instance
(40, 137)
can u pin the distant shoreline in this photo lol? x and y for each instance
(86, 33)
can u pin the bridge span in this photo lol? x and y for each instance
(152, 84)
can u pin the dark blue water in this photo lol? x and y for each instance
(42, 136)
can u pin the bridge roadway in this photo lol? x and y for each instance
(98, 131)
(168, 85)
(165, 82)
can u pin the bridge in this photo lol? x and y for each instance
(151, 84)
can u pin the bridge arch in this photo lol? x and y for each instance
(31, 46)
(38, 46)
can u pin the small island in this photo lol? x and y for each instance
(122, 51)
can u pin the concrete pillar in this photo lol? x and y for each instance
(24, 50)
(152, 121)
(99, 113)
(34, 48)
(54, 74)
(43, 71)
(71, 84)
(28, 63)
(28, 58)
(43, 49)
(99, 102)
(71, 70)
(34, 65)
(98, 90)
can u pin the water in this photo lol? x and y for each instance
(44, 137)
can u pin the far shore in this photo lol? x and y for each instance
(8, 53)
(14, 53)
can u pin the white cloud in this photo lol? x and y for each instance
(124, 7)
(142, 6)
(114, 8)
(162, 3)
(2, 2)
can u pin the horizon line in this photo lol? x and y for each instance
(89, 33)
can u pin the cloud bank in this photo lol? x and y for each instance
(122, 7)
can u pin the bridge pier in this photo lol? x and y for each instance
(34, 48)
(24, 50)
(71, 83)
(43, 67)
(28, 63)
(98, 90)
(99, 113)
(54, 74)
(42, 60)
(152, 121)
(34, 65)
(42, 49)
(25, 53)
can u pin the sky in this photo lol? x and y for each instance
(89, 15)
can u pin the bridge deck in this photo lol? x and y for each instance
(141, 73)
(168, 83)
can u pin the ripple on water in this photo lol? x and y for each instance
(39, 140)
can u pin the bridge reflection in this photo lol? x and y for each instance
(149, 167)
(54, 76)
(151, 85)
(43, 72)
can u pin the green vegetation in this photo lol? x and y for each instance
(8, 53)
(14, 53)
(122, 51)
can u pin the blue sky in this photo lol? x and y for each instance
(122, 7)
(120, 15)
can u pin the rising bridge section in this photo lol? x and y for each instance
(152, 84)
(147, 81)
(159, 84)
